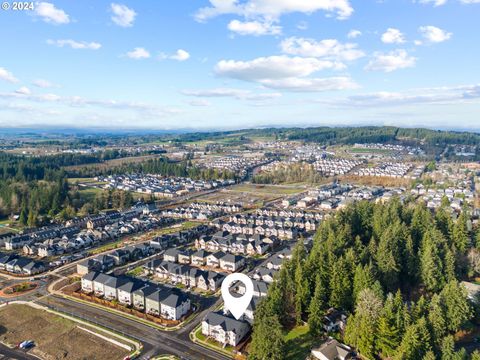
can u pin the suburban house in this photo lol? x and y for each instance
(231, 262)
(224, 329)
(332, 350)
(334, 320)
(213, 260)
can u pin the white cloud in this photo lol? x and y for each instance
(391, 61)
(50, 14)
(470, 1)
(353, 34)
(393, 36)
(286, 73)
(122, 15)
(273, 67)
(75, 44)
(23, 91)
(428, 96)
(311, 84)
(179, 55)
(44, 84)
(434, 34)
(238, 94)
(7, 76)
(328, 48)
(138, 53)
(273, 9)
(434, 2)
(255, 28)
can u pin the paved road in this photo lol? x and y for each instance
(155, 341)
(13, 354)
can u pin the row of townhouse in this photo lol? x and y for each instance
(64, 245)
(182, 237)
(190, 213)
(186, 275)
(237, 244)
(111, 223)
(116, 258)
(219, 206)
(160, 186)
(271, 266)
(153, 299)
(300, 222)
(40, 235)
(289, 213)
(225, 261)
(15, 264)
(263, 230)
(332, 167)
(237, 164)
(394, 170)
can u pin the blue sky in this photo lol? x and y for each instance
(203, 64)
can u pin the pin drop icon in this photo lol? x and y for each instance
(237, 305)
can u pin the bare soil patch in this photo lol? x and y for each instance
(55, 337)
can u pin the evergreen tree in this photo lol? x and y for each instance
(317, 306)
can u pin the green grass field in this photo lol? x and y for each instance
(299, 343)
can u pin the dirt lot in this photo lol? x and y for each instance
(54, 336)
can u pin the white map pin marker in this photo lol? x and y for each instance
(237, 305)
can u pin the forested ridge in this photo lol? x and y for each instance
(394, 268)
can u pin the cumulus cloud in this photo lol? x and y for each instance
(328, 48)
(433, 34)
(122, 15)
(255, 28)
(286, 73)
(50, 14)
(7, 76)
(391, 61)
(138, 53)
(353, 34)
(23, 91)
(393, 36)
(179, 55)
(75, 44)
(273, 67)
(273, 9)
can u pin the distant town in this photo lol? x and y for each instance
(343, 232)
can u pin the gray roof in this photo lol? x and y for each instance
(175, 299)
(91, 275)
(227, 323)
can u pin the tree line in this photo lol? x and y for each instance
(394, 268)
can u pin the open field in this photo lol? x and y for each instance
(113, 163)
(268, 189)
(252, 194)
(54, 336)
(299, 343)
